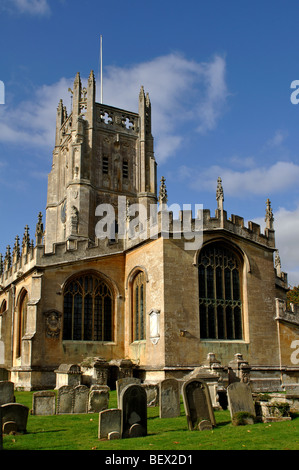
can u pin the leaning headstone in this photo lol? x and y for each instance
(81, 393)
(133, 402)
(122, 383)
(65, 398)
(169, 398)
(98, 400)
(109, 422)
(240, 399)
(17, 413)
(197, 403)
(44, 403)
(6, 392)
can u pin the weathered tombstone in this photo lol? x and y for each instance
(169, 398)
(81, 393)
(98, 400)
(133, 404)
(122, 383)
(44, 403)
(68, 374)
(6, 392)
(240, 399)
(197, 403)
(152, 393)
(65, 398)
(109, 422)
(17, 413)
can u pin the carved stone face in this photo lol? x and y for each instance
(53, 324)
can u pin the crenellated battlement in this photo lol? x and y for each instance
(133, 231)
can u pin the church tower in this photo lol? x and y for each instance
(101, 152)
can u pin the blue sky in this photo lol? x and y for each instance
(219, 76)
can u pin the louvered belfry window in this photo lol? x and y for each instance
(220, 304)
(88, 309)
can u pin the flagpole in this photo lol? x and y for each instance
(101, 69)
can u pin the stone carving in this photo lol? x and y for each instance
(53, 324)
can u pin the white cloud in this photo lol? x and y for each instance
(286, 226)
(278, 138)
(33, 122)
(33, 7)
(258, 181)
(181, 91)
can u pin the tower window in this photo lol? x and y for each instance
(220, 304)
(88, 310)
(105, 165)
(125, 169)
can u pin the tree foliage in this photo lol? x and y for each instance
(293, 296)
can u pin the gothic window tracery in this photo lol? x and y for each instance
(22, 319)
(138, 307)
(88, 309)
(220, 299)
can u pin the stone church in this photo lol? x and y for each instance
(156, 294)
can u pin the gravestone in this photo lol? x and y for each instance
(109, 422)
(169, 398)
(68, 374)
(17, 413)
(80, 404)
(44, 403)
(197, 403)
(152, 393)
(6, 392)
(65, 398)
(98, 400)
(122, 383)
(133, 405)
(240, 398)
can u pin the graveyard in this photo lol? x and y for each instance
(179, 418)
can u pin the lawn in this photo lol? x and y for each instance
(80, 432)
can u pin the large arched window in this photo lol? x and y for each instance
(88, 309)
(22, 319)
(138, 307)
(220, 301)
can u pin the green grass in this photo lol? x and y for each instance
(80, 432)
